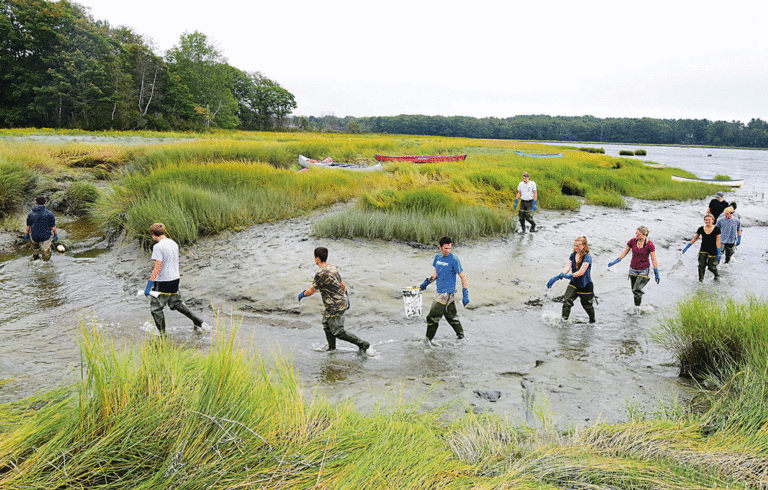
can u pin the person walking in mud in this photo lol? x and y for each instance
(41, 230)
(165, 280)
(709, 253)
(447, 266)
(643, 253)
(527, 196)
(578, 271)
(717, 205)
(730, 232)
(333, 291)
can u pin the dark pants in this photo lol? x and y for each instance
(707, 261)
(333, 326)
(174, 302)
(571, 293)
(439, 310)
(730, 249)
(525, 213)
(638, 283)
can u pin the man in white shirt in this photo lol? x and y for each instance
(165, 280)
(527, 196)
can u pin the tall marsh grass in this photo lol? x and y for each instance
(725, 344)
(465, 224)
(166, 416)
(158, 181)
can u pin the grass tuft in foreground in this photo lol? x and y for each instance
(162, 416)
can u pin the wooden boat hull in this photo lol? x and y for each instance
(421, 158)
(728, 183)
(328, 163)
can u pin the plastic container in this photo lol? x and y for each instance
(412, 301)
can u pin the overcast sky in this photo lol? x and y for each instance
(663, 59)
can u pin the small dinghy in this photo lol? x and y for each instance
(329, 163)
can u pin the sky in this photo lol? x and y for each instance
(669, 59)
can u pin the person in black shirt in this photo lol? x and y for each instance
(717, 206)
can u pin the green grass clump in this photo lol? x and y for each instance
(592, 150)
(722, 177)
(166, 416)
(16, 181)
(466, 223)
(196, 199)
(641, 153)
(627, 153)
(81, 196)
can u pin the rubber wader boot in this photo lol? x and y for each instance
(331, 341)
(591, 313)
(353, 339)
(638, 300)
(566, 312)
(533, 227)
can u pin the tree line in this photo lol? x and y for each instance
(562, 128)
(63, 69)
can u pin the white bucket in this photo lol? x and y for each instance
(412, 302)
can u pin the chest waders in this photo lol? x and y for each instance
(585, 295)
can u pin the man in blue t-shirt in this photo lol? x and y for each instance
(447, 266)
(41, 230)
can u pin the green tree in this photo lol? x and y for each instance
(200, 77)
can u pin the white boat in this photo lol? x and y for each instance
(329, 163)
(730, 183)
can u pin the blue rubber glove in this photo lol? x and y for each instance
(515, 206)
(465, 296)
(148, 288)
(567, 276)
(738, 242)
(719, 254)
(687, 247)
(656, 273)
(55, 238)
(611, 264)
(535, 207)
(552, 281)
(301, 295)
(425, 284)
(26, 237)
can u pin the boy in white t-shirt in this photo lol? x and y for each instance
(165, 280)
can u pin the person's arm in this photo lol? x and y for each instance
(344, 286)
(718, 241)
(625, 252)
(695, 237)
(567, 268)
(311, 291)
(464, 282)
(582, 270)
(28, 229)
(653, 259)
(156, 270)
(535, 195)
(518, 195)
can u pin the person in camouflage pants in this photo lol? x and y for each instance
(335, 299)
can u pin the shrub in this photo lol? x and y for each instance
(640, 153)
(722, 177)
(626, 153)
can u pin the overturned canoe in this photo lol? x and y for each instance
(539, 155)
(329, 163)
(730, 183)
(421, 158)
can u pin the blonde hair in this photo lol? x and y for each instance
(157, 229)
(729, 210)
(644, 230)
(585, 250)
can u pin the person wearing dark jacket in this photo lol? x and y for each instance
(41, 230)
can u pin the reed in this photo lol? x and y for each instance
(467, 223)
(164, 415)
(16, 181)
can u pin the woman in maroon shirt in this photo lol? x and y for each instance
(643, 253)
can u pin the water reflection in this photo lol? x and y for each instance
(575, 339)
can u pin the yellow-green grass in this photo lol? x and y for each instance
(162, 416)
(488, 178)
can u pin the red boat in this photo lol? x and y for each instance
(421, 158)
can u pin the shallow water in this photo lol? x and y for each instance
(579, 373)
